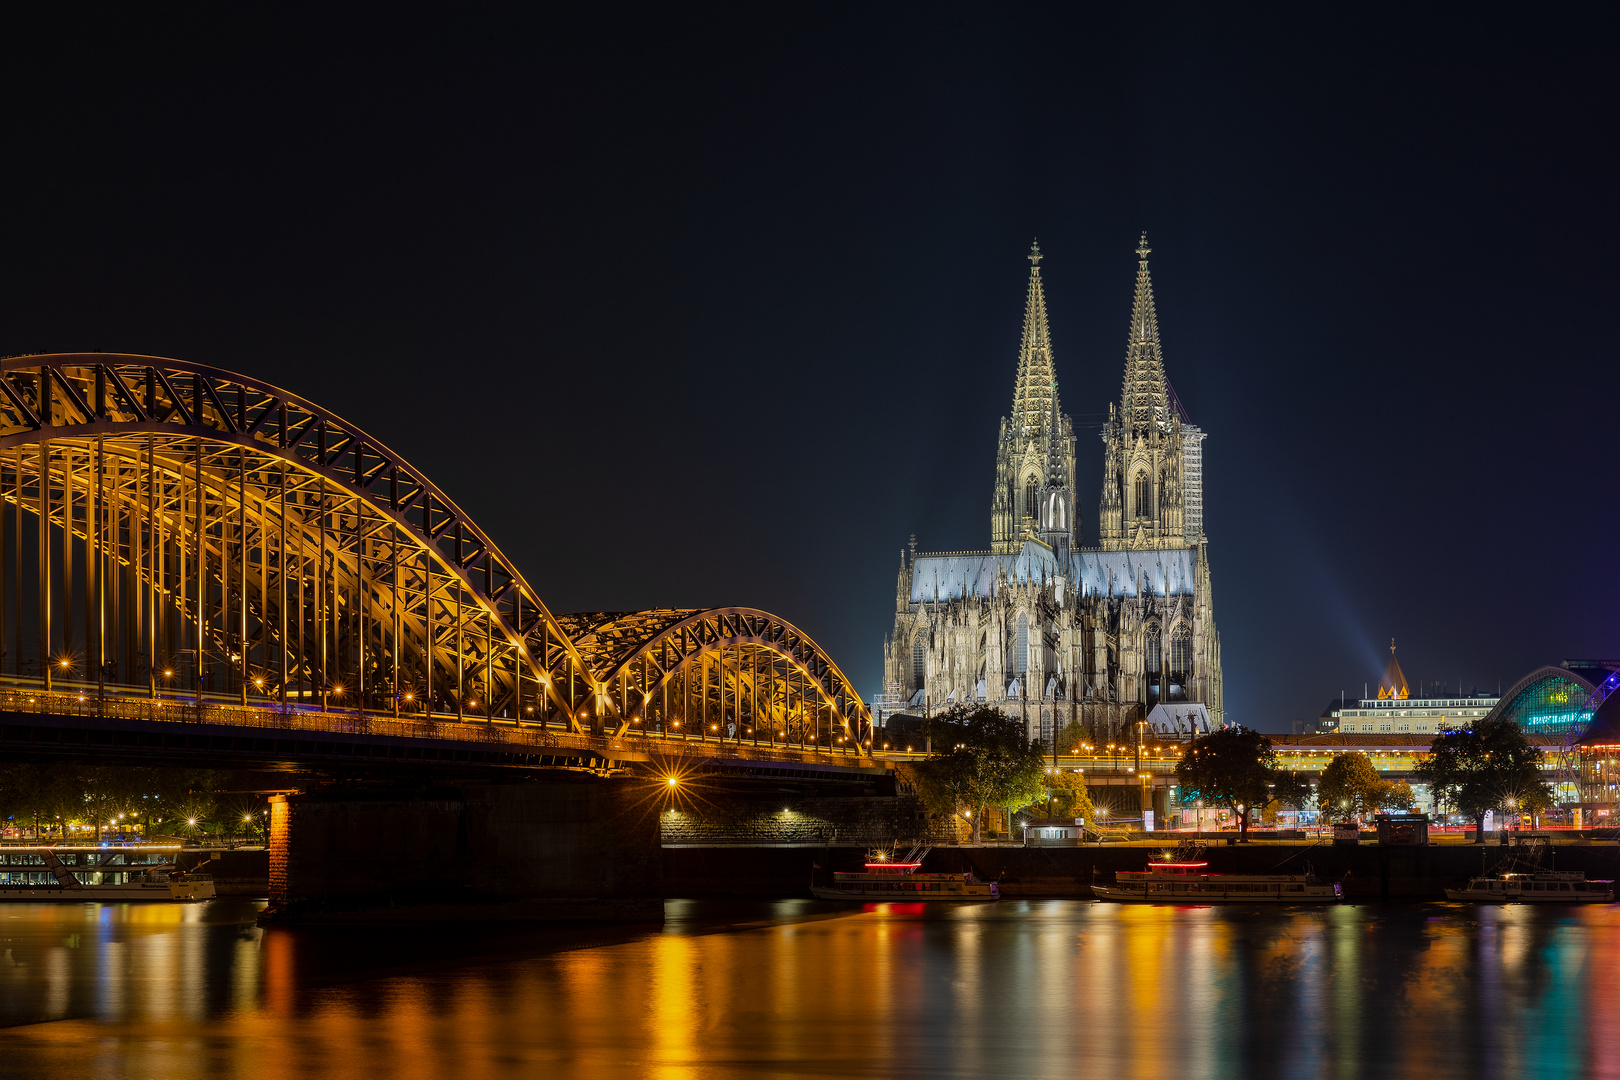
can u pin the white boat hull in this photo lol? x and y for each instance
(905, 893)
(1206, 892)
(1491, 896)
(139, 891)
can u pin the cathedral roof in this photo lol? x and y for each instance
(1035, 393)
(1145, 400)
(1162, 572)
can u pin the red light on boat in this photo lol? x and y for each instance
(1182, 865)
(893, 865)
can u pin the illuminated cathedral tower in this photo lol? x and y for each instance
(1034, 494)
(1148, 443)
(1099, 638)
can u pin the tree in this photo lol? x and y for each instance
(1290, 789)
(1350, 786)
(1066, 796)
(984, 759)
(1071, 738)
(1234, 768)
(1396, 795)
(1482, 768)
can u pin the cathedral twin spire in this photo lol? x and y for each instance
(1144, 402)
(1144, 499)
(1035, 393)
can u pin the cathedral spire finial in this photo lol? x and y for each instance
(1036, 378)
(1034, 255)
(1144, 403)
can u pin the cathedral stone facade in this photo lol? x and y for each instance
(1042, 626)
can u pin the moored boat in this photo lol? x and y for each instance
(1537, 887)
(1191, 882)
(901, 880)
(161, 881)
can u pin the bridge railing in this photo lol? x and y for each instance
(487, 733)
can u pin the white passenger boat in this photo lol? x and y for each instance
(163, 881)
(1537, 887)
(884, 880)
(1191, 882)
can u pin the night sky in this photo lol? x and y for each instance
(720, 310)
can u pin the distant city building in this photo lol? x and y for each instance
(1551, 700)
(1393, 711)
(1037, 624)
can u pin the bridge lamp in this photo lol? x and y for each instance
(410, 697)
(259, 683)
(191, 821)
(672, 781)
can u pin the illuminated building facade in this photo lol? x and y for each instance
(1039, 625)
(1393, 710)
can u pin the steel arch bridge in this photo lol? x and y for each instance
(172, 530)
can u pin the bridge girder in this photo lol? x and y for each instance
(279, 551)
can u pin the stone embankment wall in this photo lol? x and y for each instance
(783, 819)
(1367, 873)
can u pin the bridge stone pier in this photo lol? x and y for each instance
(576, 847)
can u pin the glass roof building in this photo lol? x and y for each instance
(1550, 700)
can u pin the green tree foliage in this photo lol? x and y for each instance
(1395, 795)
(60, 794)
(1065, 795)
(1072, 738)
(1234, 768)
(982, 758)
(1489, 766)
(1350, 787)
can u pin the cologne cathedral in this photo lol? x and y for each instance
(1107, 636)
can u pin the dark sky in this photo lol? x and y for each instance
(720, 309)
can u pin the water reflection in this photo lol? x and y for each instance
(1018, 989)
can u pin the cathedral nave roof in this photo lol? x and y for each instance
(1164, 572)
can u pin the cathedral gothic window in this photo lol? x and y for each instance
(1180, 659)
(919, 661)
(1142, 495)
(1021, 661)
(1032, 499)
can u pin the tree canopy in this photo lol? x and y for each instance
(1484, 767)
(1065, 796)
(1234, 768)
(1350, 786)
(983, 759)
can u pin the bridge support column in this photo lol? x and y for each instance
(580, 848)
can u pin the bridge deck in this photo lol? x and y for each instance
(53, 723)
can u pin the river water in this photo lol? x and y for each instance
(801, 989)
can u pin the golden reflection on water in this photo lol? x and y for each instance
(1017, 989)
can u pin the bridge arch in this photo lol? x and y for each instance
(182, 530)
(719, 673)
(227, 538)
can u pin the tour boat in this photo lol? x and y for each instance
(161, 882)
(901, 881)
(1537, 887)
(1191, 882)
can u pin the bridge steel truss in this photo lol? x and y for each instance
(719, 674)
(170, 529)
